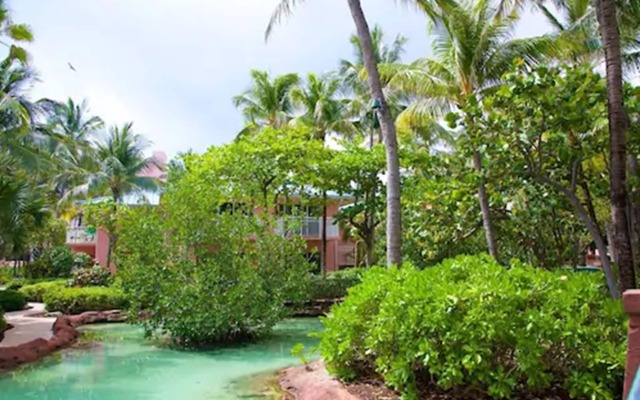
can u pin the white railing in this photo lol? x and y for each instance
(308, 226)
(79, 235)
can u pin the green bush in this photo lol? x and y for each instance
(38, 269)
(3, 323)
(10, 300)
(55, 262)
(5, 275)
(94, 276)
(472, 325)
(82, 260)
(233, 285)
(35, 292)
(78, 300)
(336, 284)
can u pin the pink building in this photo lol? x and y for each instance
(340, 251)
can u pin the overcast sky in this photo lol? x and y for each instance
(173, 66)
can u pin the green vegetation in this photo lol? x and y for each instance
(10, 300)
(336, 285)
(93, 276)
(78, 300)
(36, 292)
(471, 324)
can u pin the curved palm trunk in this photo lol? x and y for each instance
(394, 221)
(484, 208)
(607, 18)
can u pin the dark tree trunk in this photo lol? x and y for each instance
(323, 243)
(606, 10)
(484, 208)
(394, 222)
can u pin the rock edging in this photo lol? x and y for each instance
(312, 382)
(64, 335)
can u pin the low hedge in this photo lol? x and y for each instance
(336, 285)
(36, 291)
(10, 300)
(475, 329)
(77, 300)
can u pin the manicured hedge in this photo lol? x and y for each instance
(10, 300)
(474, 328)
(78, 300)
(92, 276)
(36, 291)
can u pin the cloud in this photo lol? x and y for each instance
(172, 67)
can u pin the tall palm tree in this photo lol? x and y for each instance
(120, 167)
(70, 132)
(267, 102)
(473, 48)
(324, 112)
(618, 122)
(394, 223)
(576, 26)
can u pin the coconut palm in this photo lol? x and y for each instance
(576, 26)
(394, 223)
(121, 163)
(609, 31)
(267, 102)
(473, 48)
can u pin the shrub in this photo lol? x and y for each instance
(82, 260)
(470, 324)
(16, 283)
(38, 269)
(336, 284)
(10, 300)
(78, 300)
(3, 323)
(233, 285)
(5, 275)
(35, 292)
(60, 261)
(94, 276)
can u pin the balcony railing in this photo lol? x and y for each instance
(307, 226)
(80, 236)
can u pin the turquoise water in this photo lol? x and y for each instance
(127, 367)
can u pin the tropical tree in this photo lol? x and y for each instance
(325, 113)
(267, 102)
(618, 124)
(70, 132)
(394, 223)
(472, 49)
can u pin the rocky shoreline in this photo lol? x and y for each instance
(64, 335)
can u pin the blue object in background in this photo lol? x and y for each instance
(634, 393)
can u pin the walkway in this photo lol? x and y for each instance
(26, 327)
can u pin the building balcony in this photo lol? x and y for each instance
(307, 227)
(79, 235)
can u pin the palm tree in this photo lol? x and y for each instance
(325, 112)
(608, 20)
(394, 223)
(70, 131)
(267, 102)
(576, 27)
(121, 164)
(473, 48)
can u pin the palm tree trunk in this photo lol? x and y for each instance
(607, 18)
(484, 208)
(394, 221)
(323, 244)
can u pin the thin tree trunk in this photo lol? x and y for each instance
(484, 208)
(607, 18)
(612, 246)
(368, 243)
(394, 221)
(593, 230)
(323, 243)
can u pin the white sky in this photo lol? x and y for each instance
(173, 66)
